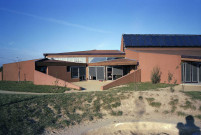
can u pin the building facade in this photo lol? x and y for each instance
(174, 54)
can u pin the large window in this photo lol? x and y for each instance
(191, 72)
(72, 59)
(99, 59)
(74, 72)
(78, 72)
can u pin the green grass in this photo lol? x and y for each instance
(198, 116)
(188, 105)
(181, 114)
(152, 103)
(195, 95)
(155, 104)
(31, 114)
(30, 87)
(150, 100)
(142, 86)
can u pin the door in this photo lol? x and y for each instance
(100, 73)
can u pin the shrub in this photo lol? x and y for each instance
(170, 75)
(156, 75)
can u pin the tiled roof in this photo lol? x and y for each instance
(90, 52)
(161, 40)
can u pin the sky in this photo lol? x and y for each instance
(29, 28)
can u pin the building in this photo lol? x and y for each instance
(175, 54)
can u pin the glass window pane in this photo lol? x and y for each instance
(188, 72)
(97, 59)
(194, 73)
(200, 73)
(100, 73)
(74, 72)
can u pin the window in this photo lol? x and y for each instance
(74, 72)
(68, 68)
(78, 72)
(72, 59)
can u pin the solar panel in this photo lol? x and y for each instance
(161, 40)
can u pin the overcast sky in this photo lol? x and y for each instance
(29, 28)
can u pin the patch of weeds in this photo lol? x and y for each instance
(96, 105)
(174, 102)
(200, 108)
(66, 122)
(140, 98)
(155, 104)
(181, 114)
(198, 116)
(195, 95)
(118, 113)
(171, 89)
(188, 105)
(173, 109)
(149, 100)
(166, 112)
(115, 105)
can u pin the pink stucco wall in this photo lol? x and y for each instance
(44, 79)
(134, 76)
(166, 63)
(26, 69)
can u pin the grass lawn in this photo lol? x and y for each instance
(196, 95)
(30, 87)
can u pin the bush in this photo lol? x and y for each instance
(156, 75)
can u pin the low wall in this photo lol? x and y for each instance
(134, 76)
(19, 71)
(1, 76)
(44, 79)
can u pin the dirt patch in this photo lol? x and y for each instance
(136, 108)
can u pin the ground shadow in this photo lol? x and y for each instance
(189, 128)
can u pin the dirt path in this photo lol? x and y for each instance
(25, 93)
(91, 85)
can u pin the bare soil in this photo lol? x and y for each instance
(137, 108)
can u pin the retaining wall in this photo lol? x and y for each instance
(134, 76)
(44, 79)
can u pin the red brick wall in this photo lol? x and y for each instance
(44, 79)
(61, 73)
(166, 63)
(1, 76)
(134, 76)
(26, 68)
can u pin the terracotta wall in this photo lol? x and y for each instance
(61, 73)
(44, 79)
(166, 63)
(134, 76)
(26, 68)
(1, 76)
(122, 44)
(131, 54)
